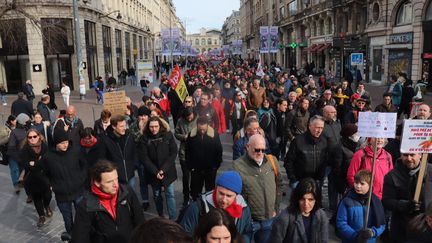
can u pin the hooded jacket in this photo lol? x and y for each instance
(121, 151)
(383, 165)
(94, 224)
(192, 215)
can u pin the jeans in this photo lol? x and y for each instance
(100, 97)
(144, 90)
(169, 197)
(66, 211)
(3, 98)
(143, 184)
(261, 230)
(14, 171)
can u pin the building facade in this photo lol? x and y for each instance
(40, 45)
(393, 35)
(231, 28)
(206, 40)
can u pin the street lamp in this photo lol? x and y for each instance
(115, 11)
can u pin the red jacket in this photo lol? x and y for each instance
(221, 116)
(383, 165)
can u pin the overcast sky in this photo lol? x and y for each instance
(204, 13)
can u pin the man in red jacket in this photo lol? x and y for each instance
(110, 211)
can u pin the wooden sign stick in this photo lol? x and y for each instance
(423, 165)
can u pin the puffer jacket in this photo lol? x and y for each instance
(262, 190)
(307, 157)
(383, 165)
(181, 133)
(288, 227)
(192, 215)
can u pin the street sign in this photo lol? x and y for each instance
(356, 58)
(417, 136)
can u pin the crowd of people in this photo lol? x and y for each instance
(280, 121)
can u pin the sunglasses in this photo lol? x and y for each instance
(32, 137)
(257, 150)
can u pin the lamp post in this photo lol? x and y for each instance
(80, 65)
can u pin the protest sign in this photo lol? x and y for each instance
(417, 136)
(115, 102)
(144, 70)
(377, 124)
(177, 83)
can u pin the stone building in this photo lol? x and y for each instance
(37, 39)
(231, 28)
(206, 40)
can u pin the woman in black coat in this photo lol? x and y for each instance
(158, 153)
(304, 221)
(35, 181)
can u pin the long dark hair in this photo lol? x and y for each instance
(216, 217)
(304, 187)
(162, 127)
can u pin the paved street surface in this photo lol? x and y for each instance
(18, 219)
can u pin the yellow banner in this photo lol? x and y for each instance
(181, 89)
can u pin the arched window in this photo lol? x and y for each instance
(203, 42)
(209, 41)
(429, 12)
(329, 26)
(215, 41)
(404, 14)
(321, 27)
(197, 42)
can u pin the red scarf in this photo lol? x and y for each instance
(234, 210)
(108, 201)
(88, 145)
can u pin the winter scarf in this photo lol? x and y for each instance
(234, 210)
(108, 201)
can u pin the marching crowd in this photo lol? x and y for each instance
(280, 121)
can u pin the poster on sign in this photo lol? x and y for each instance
(115, 102)
(417, 136)
(377, 124)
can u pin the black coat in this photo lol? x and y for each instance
(44, 111)
(210, 113)
(98, 128)
(308, 157)
(203, 152)
(67, 173)
(121, 151)
(35, 180)
(399, 188)
(22, 106)
(159, 153)
(93, 223)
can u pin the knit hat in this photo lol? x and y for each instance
(143, 111)
(348, 130)
(60, 136)
(230, 180)
(22, 119)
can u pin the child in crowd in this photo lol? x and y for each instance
(350, 216)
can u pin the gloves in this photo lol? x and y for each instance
(414, 206)
(365, 234)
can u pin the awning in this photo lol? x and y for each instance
(311, 48)
(322, 48)
(315, 49)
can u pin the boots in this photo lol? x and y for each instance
(49, 212)
(41, 221)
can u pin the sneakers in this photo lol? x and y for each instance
(49, 212)
(4, 104)
(65, 236)
(145, 206)
(41, 221)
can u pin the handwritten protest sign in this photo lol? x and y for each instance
(377, 124)
(417, 136)
(115, 102)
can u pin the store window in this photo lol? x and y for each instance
(404, 14)
(90, 37)
(375, 12)
(429, 12)
(118, 41)
(128, 51)
(106, 37)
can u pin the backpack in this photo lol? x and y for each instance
(201, 209)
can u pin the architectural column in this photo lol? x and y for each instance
(36, 56)
(100, 51)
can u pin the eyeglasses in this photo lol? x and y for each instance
(32, 137)
(258, 150)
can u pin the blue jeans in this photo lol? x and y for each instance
(14, 171)
(143, 185)
(261, 230)
(169, 197)
(66, 211)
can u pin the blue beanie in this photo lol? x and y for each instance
(230, 180)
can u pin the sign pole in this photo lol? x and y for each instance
(423, 165)
(371, 185)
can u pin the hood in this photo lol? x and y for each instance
(208, 198)
(210, 132)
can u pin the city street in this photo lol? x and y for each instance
(18, 219)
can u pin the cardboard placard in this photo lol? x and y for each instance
(115, 102)
(377, 124)
(417, 136)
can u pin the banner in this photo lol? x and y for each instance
(274, 39)
(264, 35)
(166, 41)
(226, 50)
(144, 70)
(417, 136)
(177, 83)
(259, 71)
(237, 47)
(177, 50)
(377, 124)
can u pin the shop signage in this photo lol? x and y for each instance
(356, 58)
(37, 67)
(427, 55)
(403, 38)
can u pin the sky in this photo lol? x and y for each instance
(204, 13)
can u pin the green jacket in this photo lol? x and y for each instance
(181, 133)
(261, 190)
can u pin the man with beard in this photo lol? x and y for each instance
(71, 123)
(297, 119)
(386, 105)
(205, 109)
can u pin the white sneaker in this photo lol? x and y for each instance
(4, 103)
